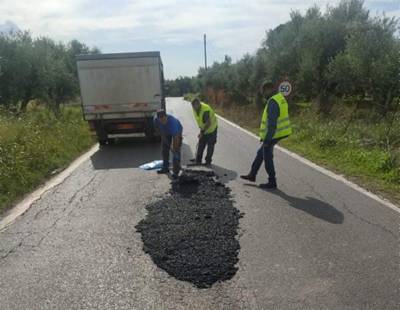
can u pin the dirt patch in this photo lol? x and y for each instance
(191, 232)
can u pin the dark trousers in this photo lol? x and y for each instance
(208, 140)
(266, 154)
(176, 161)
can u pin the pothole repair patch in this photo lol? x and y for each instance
(191, 232)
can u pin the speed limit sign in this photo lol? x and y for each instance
(285, 88)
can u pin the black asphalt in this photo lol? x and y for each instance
(315, 243)
(192, 232)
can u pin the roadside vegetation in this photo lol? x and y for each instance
(40, 130)
(35, 144)
(345, 69)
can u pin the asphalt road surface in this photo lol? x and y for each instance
(313, 244)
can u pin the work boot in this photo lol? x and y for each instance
(163, 171)
(208, 164)
(270, 185)
(248, 177)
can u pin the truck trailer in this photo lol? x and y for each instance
(121, 93)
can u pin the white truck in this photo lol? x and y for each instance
(121, 93)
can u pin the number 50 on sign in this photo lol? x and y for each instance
(285, 88)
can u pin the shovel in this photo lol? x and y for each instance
(193, 160)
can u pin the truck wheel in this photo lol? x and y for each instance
(153, 138)
(111, 141)
(156, 139)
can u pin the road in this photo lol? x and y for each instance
(315, 243)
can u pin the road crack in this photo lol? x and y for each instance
(12, 250)
(360, 218)
(81, 189)
(50, 228)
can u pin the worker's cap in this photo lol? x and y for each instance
(161, 113)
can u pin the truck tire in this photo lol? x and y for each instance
(150, 136)
(111, 141)
(155, 139)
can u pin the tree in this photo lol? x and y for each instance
(38, 69)
(370, 64)
(18, 76)
(242, 90)
(343, 52)
(180, 86)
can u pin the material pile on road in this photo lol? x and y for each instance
(191, 232)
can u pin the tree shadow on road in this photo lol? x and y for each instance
(313, 206)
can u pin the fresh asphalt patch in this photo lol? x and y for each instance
(191, 233)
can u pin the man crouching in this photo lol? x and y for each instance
(170, 130)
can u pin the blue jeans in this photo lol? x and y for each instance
(266, 154)
(176, 161)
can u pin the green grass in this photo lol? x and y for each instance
(365, 152)
(36, 144)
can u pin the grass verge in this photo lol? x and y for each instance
(34, 145)
(357, 144)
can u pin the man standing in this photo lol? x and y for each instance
(207, 122)
(170, 130)
(275, 125)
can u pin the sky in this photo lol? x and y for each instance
(173, 27)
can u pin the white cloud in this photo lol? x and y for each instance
(233, 27)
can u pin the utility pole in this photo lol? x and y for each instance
(205, 51)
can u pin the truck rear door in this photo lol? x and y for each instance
(117, 88)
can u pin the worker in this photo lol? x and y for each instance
(207, 122)
(170, 130)
(275, 126)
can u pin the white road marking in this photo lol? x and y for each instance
(26, 203)
(324, 171)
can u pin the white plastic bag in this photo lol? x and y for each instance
(157, 164)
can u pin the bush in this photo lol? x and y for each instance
(34, 145)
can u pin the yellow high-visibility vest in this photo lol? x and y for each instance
(199, 118)
(283, 127)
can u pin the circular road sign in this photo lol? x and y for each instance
(285, 88)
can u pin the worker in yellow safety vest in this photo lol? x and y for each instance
(207, 121)
(275, 126)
